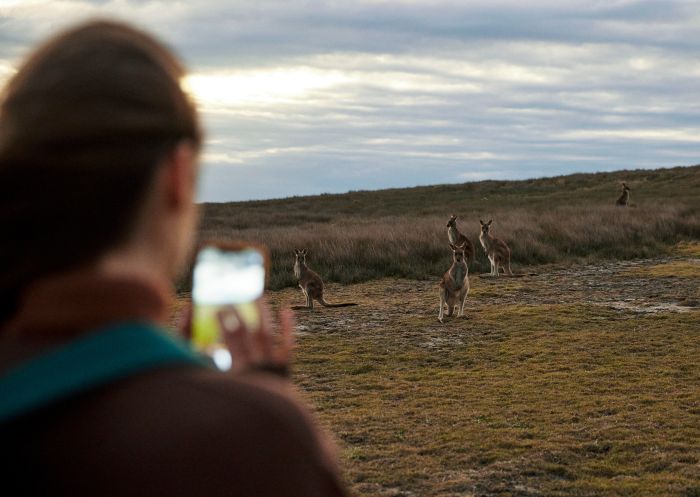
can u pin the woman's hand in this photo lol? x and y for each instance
(259, 349)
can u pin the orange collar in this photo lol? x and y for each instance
(66, 305)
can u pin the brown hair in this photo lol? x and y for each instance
(84, 124)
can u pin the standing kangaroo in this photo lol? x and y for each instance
(455, 283)
(496, 249)
(624, 199)
(457, 238)
(310, 283)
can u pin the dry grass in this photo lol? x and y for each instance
(355, 250)
(361, 236)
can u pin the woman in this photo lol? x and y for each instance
(98, 164)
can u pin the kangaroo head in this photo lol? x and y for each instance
(457, 253)
(300, 255)
(625, 188)
(452, 223)
(485, 226)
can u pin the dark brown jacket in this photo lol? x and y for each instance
(174, 431)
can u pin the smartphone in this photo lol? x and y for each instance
(231, 274)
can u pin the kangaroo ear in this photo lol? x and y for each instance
(489, 223)
(481, 222)
(303, 252)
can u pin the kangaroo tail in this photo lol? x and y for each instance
(328, 304)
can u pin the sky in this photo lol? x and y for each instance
(309, 97)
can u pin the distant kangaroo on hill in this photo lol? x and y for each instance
(454, 285)
(496, 249)
(624, 199)
(457, 238)
(310, 283)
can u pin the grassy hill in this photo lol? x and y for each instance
(364, 235)
(580, 381)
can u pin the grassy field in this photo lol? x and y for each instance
(581, 380)
(401, 233)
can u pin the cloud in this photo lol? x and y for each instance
(307, 97)
(691, 135)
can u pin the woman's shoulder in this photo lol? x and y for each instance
(201, 429)
(203, 396)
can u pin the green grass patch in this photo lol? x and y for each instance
(673, 269)
(688, 248)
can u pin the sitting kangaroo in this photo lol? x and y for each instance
(624, 199)
(310, 283)
(496, 249)
(454, 286)
(457, 238)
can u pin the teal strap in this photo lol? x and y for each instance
(98, 358)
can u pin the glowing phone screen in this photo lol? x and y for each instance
(223, 278)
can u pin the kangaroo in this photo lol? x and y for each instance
(624, 199)
(454, 286)
(310, 283)
(496, 249)
(457, 238)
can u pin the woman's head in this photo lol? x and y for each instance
(85, 125)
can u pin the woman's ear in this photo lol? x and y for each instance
(180, 169)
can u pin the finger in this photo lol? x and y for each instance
(265, 316)
(185, 322)
(231, 319)
(235, 336)
(263, 336)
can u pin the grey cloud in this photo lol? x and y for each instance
(442, 92)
